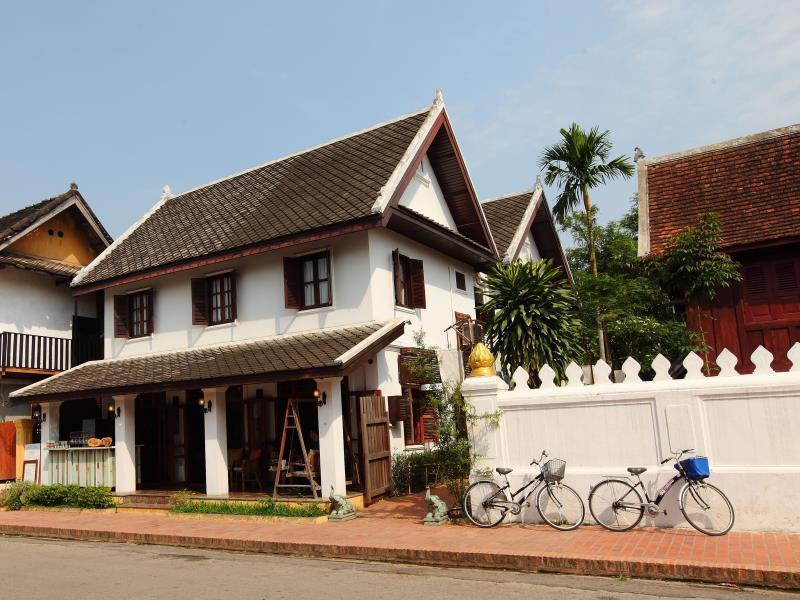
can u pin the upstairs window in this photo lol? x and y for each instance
(133, 314)
(409, 281)
(307, 281)
(214, 299)
(461, 281)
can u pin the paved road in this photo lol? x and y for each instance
(48, 569)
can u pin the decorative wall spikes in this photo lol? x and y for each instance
(693, 363)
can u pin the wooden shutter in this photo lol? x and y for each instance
(150, 310)
(200, 301)
(417, 284)
(427, 424)
(396, 274)
(292, 282)
(407, 416)
(376, 452)
(122, 328)
(234, 314)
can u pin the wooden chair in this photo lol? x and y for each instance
(235, 467)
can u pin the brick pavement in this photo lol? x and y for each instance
(386, 532)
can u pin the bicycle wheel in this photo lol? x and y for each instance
(478, 504)
(706, 508)
(560, 506)
(616, 505)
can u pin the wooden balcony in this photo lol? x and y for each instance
(27, 354)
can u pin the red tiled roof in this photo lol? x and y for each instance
(752, 184)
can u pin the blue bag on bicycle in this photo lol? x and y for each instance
(695, 467)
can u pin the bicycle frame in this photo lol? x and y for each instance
(533, 484)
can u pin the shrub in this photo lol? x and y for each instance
(95, 497)
(12, 498)
(51, 495)
(23, 493)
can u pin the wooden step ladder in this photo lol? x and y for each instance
(291, 423)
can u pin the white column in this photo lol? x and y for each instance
(50, 425)
(125, 444)
(216, 437)
(331, 437)
(482, 393)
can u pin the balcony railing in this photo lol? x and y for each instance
(28, 352)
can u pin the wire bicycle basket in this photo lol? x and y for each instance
(553, 470)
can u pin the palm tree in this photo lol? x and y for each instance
(579, 163)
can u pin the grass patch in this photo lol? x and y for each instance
(262, 508)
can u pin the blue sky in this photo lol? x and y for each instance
(125, 98)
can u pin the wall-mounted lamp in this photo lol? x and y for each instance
(322, 397)
(117, 412)
(205, 406)
(36, 413)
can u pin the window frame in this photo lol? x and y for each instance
(316, 279)
(141, 315)
(463, 278)
(230, 305)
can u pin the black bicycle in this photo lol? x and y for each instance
(486, 504)
(617, 504)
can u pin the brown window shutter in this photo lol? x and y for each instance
(428, 424)
(396, 274)
(150, 311)
(417, 285)
(292, 282)
(234, 314)
(200, 301)
(407, 417)
(122, 327)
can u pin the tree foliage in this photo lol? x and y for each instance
(531, 317)
(624, 297)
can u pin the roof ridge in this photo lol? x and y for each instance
(167, 197)
(530, 191)
(35, 205)
(753, 138)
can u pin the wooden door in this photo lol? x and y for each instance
(8, 451)
(373, 420)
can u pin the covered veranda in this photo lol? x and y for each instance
(213, 419)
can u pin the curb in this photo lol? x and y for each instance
(685, 571)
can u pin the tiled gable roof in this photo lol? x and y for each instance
(752, 184)
(36, 263)
(335, 183)
(251, 360)
(505, 216)
(11, 224)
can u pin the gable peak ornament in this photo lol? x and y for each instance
(481, 361)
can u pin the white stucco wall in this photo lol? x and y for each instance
(260, 301)
(424, 196)
(31, 302)
(529, 250)
(443, 300)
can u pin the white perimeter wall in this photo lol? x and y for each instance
(31, 302)
(747, 425)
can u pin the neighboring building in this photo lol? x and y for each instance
(753, 185)
(43, 329)
(522, 227)
(300, 279)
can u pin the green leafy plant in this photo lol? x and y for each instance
(531, 316)
(692, 266)
(23, 494)
(12, 497)
(266, 508)
(625, 298)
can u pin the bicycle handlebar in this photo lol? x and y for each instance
(676, 455)
(536, 462)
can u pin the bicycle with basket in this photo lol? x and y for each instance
(486, 504)
(618, 505)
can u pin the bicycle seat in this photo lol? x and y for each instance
(503, 470)
(636, 470)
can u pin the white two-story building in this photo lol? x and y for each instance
(253, 325)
